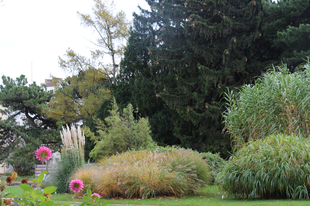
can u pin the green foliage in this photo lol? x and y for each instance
(215, 162)
(287, 29)
(22, 159)
(71, 160)
(277, 103)
(93, 200)
(190, 52)
(19, 140)
(120, 133)
(145, 174)
(276, 167)
(135, 85)
(36, 197)
(182, 55)
(79, 96)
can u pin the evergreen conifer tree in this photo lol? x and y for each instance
(19, 139)
(198, 49)
(287, 28)
(135, 84)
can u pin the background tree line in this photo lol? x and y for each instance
(180, 57)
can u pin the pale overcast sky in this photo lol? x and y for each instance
(38, 31)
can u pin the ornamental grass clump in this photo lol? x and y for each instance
(276, 167)
(72, 157)
(85, 174)
(215, 162)
(145, 174)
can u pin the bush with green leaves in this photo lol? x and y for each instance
(22, 159)
(279, 102)
(37, 197)
(120, 133)
(276, 167)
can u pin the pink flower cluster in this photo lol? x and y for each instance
(76, 185)
(43, 154)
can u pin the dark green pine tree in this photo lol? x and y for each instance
(288, 28)
(135, 84)
(199, 48)
(19, 141)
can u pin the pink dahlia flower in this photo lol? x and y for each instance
(95, 194)
(76, 185)
(43, 154)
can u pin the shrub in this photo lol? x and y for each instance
(120, 133)
(277, 167)
(147, 174)
(22, 162)
(279, 102)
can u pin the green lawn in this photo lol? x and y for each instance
(208, 196)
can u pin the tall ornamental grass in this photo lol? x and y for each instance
(279, 102)
(145, 174)
(72, 157)
(276, 167)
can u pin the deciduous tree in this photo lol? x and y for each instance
(79, 96)
(112, 30)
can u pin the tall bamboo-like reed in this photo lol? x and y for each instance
(279, 102)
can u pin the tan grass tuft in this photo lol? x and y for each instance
(73, 139)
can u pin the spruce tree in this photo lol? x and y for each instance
(287, 28)
(18, 140)
(135, 84)
(199, 48)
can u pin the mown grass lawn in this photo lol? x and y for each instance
(207, 196)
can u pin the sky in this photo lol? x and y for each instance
(34, 33)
